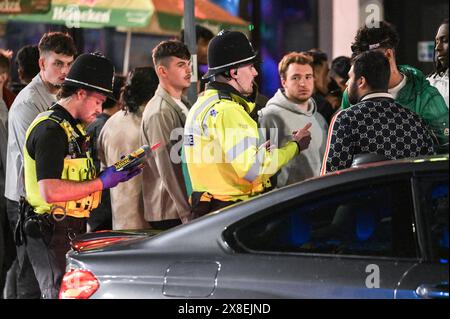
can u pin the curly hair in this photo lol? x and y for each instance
(369, 38)
(140, 88)
(58, 42)
(438, 66)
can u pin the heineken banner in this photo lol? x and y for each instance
(93, 13)
(164, 17)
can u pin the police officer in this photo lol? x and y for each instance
(60, 178)
(227, 159)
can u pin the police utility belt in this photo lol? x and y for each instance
(32, 224)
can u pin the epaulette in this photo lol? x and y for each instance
(225, 96)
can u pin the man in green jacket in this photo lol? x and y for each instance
(407, 84)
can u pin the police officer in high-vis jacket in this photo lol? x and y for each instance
(227, 159)
(61, 183)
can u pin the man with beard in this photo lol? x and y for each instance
(376, 123)
(407, 85)
(439, 79)
(61, 181)
(56, 53)
(293, 107)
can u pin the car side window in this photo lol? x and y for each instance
(374, 220)
(433, 201)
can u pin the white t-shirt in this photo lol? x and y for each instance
(183, 107)
(441, 83)
(394, 91)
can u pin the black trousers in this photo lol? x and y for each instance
(165, 224)
(21, 282)
(48, 254)
(200, 208)
(7, 248)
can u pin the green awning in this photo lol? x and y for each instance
(92, 13)
(163, 17)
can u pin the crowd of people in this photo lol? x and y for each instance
(73, 118)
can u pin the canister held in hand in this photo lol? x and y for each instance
(135, 158)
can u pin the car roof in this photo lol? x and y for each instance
(213, 225)
(362, 172)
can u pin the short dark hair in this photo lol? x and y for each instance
(118, 83)
(170, 48)
(374, 67)
(369, 38)
(340, 66)
(140, 88)
(318, 56)
(27, 60)
(5, 64)
(58, 42)
(200, 33)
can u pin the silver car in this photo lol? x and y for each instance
(376, 231)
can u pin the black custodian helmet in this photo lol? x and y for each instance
(92, 72)
(227, 50)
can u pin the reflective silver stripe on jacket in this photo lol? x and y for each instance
(241, 147)
(253, 172)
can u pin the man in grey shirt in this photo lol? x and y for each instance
(56, 54)
(7, 249)
(293, 107)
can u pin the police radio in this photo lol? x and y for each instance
(135, 158)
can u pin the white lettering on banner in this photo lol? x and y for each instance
(374, 17)
(72, 14)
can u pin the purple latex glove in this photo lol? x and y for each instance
(110, 177)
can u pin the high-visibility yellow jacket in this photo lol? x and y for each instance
(224, 151)
(75, 169)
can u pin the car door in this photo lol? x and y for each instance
(352, 241)
(429, 278)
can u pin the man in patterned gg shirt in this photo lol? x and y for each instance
(374, 123)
